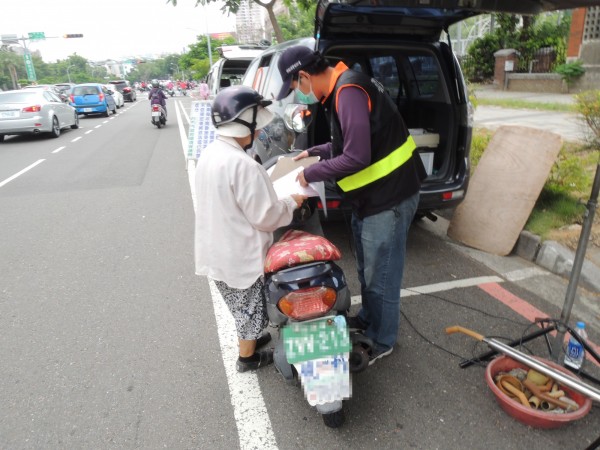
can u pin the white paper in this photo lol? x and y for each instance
(288, 185)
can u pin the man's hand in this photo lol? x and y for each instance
(303, 154)
(299, 199)
(300, 179)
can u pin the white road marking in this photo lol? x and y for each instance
(439, 287)
(251, 417)
(89, 131)
(522, 274)
(106, 121)
(98, 126)
(58, 149)
(9, 179)
(76, 139)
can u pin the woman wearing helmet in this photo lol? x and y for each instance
(237, 212)
(157, 96)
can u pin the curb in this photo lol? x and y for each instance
(557, 259)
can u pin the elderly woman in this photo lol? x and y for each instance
(238, 211)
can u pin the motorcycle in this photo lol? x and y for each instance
(159, 116)
(307, 299)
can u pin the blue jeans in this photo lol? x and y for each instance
(380, 250)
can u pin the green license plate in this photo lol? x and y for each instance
(318, 338)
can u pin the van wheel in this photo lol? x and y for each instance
(55, 128)
(76, 124)
(1, 137)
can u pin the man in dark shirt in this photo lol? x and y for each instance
(371, 158)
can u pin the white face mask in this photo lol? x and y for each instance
(306, 99)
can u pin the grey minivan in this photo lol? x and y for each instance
(398, 43)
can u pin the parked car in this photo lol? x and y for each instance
(51, 87)
(123, 86)
(116, 95)
(230, 68)
(92, 98)
(398, 43)
(65, 88)
(34, 111)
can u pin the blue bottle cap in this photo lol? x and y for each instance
(581, 324)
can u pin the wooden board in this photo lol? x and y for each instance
(504, 188)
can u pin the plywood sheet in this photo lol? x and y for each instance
(504, 188)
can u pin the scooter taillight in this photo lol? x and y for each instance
(155, 108)
(307, 303)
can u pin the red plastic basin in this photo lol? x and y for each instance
(529, 416)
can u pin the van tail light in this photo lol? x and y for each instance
(309, 303)
(34, 108)
(72, 98)
(101, 96)
(331, 204)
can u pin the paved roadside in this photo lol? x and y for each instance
(551, 255)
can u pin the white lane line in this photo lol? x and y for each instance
(58, 149)
(9, 179)
(440, 287)
(98, 126)
(251, 417)
(76, 139)
(89, 131)
(187, 118)
(106, 121)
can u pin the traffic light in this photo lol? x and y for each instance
(70, 36)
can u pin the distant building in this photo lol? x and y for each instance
(584, 45)
(250, 23)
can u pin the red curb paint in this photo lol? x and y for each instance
(526, 310)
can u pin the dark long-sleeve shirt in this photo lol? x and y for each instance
(353, 113)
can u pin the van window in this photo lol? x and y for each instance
(272, 85)
(425, 73)
(386, 72)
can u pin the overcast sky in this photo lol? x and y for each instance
(112, 29)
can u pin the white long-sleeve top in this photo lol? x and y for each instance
(237, 212)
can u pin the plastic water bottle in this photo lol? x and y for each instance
(575, 351)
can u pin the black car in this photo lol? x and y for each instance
(398, 43)
(123, 86)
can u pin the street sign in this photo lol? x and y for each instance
(29, 66)
(9, 39)
(37, 36)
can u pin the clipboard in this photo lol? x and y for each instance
(287, 164)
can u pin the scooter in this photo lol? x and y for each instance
(159, 116)
(307, 299)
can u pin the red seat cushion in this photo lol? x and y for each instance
(298, 247)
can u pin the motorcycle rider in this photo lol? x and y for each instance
(157, 96)
(239, 212)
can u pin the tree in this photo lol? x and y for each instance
(233, 6)
(300, 23)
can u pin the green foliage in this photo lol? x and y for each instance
(537, 32)
(570, 71)
(479, 142)
(554, 209)
(481, 54)
(300, 23)
(588, 105)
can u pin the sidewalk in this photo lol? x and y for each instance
(551, 255)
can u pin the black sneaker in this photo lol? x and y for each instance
(355, 323)
(378, 354)
(264, 339)
(263, 358)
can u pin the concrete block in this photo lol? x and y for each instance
(528, 245)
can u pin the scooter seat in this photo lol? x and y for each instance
(299, 247)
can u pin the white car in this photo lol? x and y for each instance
(119, 100)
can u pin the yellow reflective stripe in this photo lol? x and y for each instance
(379, 169)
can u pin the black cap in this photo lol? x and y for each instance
(292, 60)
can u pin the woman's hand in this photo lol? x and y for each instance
(302, 154)
(299, 199)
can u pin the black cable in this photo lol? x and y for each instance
(485, 313)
